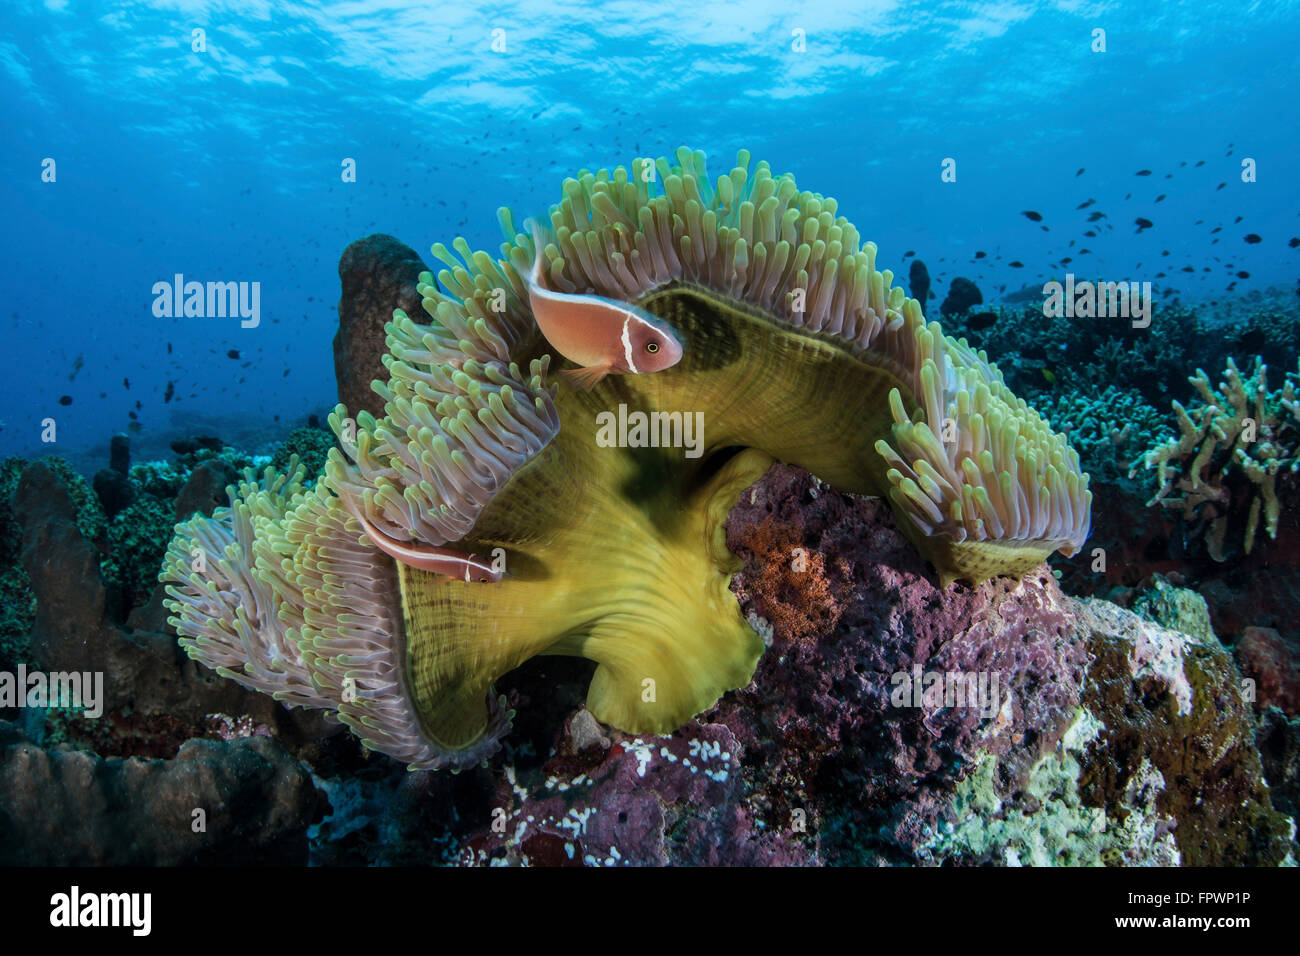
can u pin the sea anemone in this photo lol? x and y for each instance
(796, 349)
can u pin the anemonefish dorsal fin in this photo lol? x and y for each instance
(444, 561)
(585, 379)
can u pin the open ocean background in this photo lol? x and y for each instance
(224, 165)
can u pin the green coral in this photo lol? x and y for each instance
(138, 538)
(1106, 428)
(1051, 825)
(1234, 446)
(311, 445)
(1064, 355)
(1179, 609)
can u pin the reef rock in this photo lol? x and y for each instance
(918, 283)
(1093, 736)
(379, 274)
(244, 801)
(962, 294)
(144, 670)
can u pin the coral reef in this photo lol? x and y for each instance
(796, 345)
(247, 801)
(309, 445)
(1112, 740)
(1234, 448)
(1108, 428)
(1108, 738)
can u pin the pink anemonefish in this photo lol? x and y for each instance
(602, 336)
(445, 561)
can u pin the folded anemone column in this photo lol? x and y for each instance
(796, 348)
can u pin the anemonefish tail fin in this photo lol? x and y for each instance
(585, 379)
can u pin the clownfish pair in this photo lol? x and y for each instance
(601, 336)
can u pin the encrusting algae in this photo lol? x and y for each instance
(794, 347)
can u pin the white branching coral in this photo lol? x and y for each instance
(1240, 428)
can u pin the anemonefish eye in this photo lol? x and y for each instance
(652, 346)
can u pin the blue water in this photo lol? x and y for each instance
(224, 165)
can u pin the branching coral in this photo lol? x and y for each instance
(1105, 427)
(796, 348)
(1232, 447)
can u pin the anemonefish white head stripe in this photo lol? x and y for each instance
(601, 336)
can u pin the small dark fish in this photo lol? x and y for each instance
(1080, 172)
(1189, 269)
(1200, 162)
(233, 353)
(1085, 205)
(1016, 264)
(1032, 216)
(909, 253)
(1066, 261)
(1243, 274)
(1129, 196)
(171, 390)
(1220, 186)
(1237, 220)
(1084, 252)
(169, 348)
(137, 405)
(1216, 229)
(1252, 238)
(1094, 216)
(979, 254)
(1091, 234)
(981, 320)
(1161, 197)
(65, 400)
(1143, 172)
(126, 383)
(1143, 223)
(76, 366)
(1295, 241)
(132, 415)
